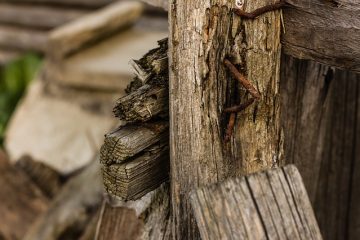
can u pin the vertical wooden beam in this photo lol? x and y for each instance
(202, 34)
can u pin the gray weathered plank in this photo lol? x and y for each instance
(135, 178)
(325, 31)
(266, 205)
(130, 140)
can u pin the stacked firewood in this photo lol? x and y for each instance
(135, 157)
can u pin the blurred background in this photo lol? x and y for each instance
(63, 64)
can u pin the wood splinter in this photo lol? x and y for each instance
(254, 14)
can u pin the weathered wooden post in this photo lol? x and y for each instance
(202, 35)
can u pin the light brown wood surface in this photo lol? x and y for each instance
(202, 34)
(267, 205)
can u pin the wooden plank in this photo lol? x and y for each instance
(202, 34)
(72, 208)
(81, 3)
(324, 31)
(21, 201)
(146, 218)
(267, 205)
(37, 16)
(92, 27)
(23, 38)
(129, 140)
(320, 107)
(135, 178)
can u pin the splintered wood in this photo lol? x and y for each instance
(135, 157)
(268, 205)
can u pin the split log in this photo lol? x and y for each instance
(268, 205)
(45, 177)
(72, 208)
(37, 16)
(204, 33)
(21, 201)
(78, 34)
(320, 118)
(72, 3)
(145, 219)
(124, 143)
(324, 31)
(22, 39)
(133, 179)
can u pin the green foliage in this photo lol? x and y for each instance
(14, 78)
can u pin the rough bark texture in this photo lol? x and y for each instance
(202, 34)
(91, 28)
(325, 31)
(21, 201)
(37, 16)
(268, 205)
(320, 117)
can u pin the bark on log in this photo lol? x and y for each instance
(22, 39)
(124, 143)
(202, 34)
(132, 180)
(320, 118)
(45, 177)
(78, 34)
(72, 208)
(37, 16)
(268, 205)
(145, 219)
(81, 3)
(324, 31)
(21, 201)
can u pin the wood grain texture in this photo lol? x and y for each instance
(130, 140)
(21, 201)
(145, 219)
(135, 178)
(19, 38)
(37, 16)
(324, 31)
(267, 205)
(320, 111)
(152, 97)
(202, 34)
(92, 27)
